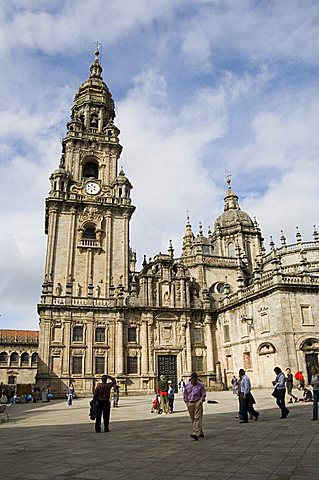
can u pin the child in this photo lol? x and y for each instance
(170, 397)
(156, 405)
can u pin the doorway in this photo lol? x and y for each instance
(311, 361)
(167, 365)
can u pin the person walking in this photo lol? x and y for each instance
(163, 393)
(246, 396)
(116, 395)
(170, 397)
(70, 395)
(289, 384)
(280, 390)
(102, 398)
(194, 396)
(234, 383)
(315, 385)
(181, 387)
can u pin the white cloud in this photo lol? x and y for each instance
(197, 84)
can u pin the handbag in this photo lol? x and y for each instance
(275, 393)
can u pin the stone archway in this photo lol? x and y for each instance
(267, 362)
(310, 348)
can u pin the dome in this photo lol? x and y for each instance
(233, 215)
(231, 218)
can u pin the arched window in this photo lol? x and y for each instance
(231, 249)
(25, 359)
(3, 358)
(91, 169)
(14, 358)
(89, 232)
(34, 358)
(94, 120)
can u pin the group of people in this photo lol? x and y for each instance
(194, 394)
(282, 384)
(163, 402)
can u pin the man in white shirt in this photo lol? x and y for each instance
(246, 398)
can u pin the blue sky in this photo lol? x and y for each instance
(199, 86)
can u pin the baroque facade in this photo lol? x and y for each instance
(18, 356)
(222, 305)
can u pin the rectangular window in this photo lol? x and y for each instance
(77, 334)
(198, 336)
(100, 365)
(247, 361)
(12, 380)
(226, 333)
(131, 365)
(306, 315)
(198, 364)
(100, 335)
(131, 334)
(265, 327)
(77, 365)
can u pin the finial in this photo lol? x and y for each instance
(282, 238)
(315, 234)
(200, 228)
(144, 261)
(298, 235)
(171, 249)
(209, 231)
(227, 176)
(271, 243)
(96, 68)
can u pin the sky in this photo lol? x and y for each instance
(202, 88)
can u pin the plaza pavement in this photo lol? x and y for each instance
(49, 441)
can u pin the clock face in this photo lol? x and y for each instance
(92, 188)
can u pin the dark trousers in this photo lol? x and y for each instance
(281, 402)
(315, 403)
(103, 406)
(247, 407)
(171, 404)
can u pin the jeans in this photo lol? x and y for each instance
(281, 402)
(315, 403)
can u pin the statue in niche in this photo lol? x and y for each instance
(98, 290)
(79, 290)
(58, 289)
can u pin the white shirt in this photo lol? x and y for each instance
(245, 385)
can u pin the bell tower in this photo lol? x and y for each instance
(88, 210)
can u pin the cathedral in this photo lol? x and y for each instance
(224, 304)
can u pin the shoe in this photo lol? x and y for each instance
(251, 417)
(314, 419)
(256, 416)
(195, 437)
(202, 435)
(290, 401)
(97, 431)
(106, 429)
(243, 421)
(296, 400)
(237, 416)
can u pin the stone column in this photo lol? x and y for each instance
(44, 345)
(151, 346)
(119, 347)
(108, 256)
(71, 242)
(66, 350)
(125, 250)
(144, 346)
(209, 344)
(89, 350)
(53, 212)
(188, 347)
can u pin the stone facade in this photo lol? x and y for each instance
(222, 305)
(18, 356)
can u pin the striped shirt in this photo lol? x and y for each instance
(102, 391)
